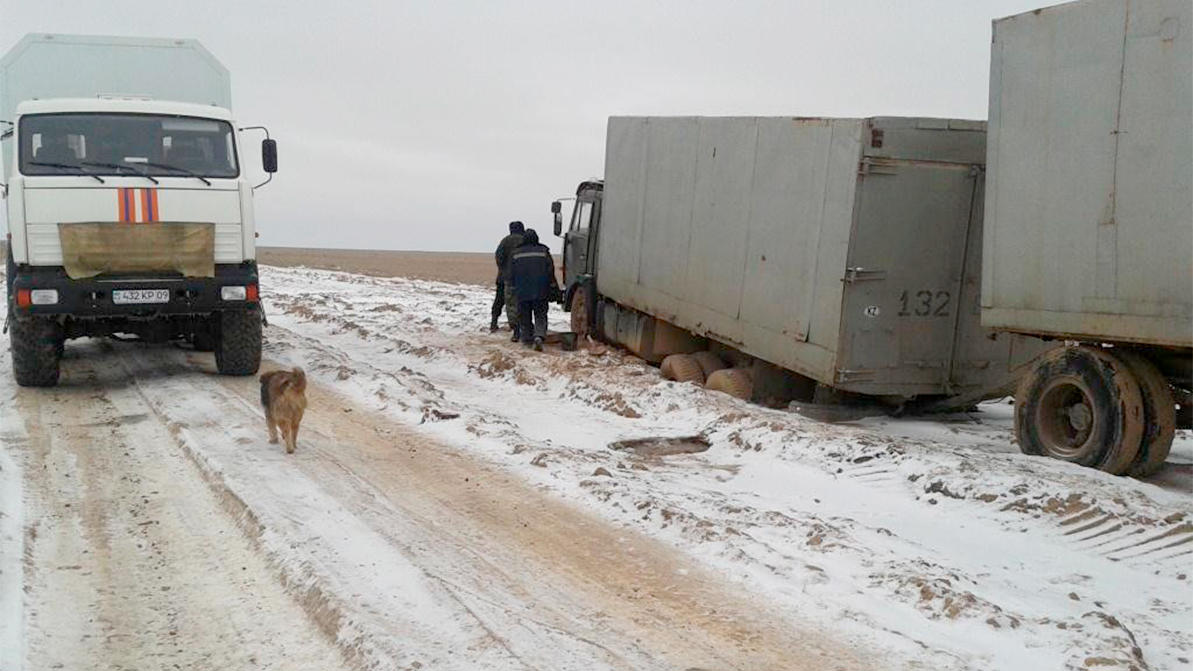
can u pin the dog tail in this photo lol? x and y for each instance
(299, 379)
(265, 388)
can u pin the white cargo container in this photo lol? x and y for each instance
(1089, 222)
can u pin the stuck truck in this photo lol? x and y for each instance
(129, 207)
(878, 257)
(781, 259)
(1089, 224)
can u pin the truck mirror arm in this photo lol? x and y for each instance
(267, 139)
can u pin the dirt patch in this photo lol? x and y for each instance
(462, 267)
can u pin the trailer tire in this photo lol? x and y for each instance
(238, 345)
(709, 362)
(681, 368)
(733, 381)
(1081, 405)
(36, 351)
(1159, 413)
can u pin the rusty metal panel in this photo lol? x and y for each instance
(1089, 218)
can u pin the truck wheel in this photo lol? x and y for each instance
(709, 362)
(733, 381)
(581, 322)
(1159, 413)
(238, 346)
(681, 368)
(36, 351)
(1081, 405)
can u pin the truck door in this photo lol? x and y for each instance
(903, 280)
(576, 254)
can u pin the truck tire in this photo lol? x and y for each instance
(36, 351)
(580, 312)
(1159, 413)
(709, 362)
(733, 381)
(238, 344)
(1081, 405)
(681, 368)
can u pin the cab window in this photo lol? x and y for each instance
(581, 217)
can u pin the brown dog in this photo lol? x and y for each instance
(283, 394)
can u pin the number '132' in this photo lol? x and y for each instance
(924, 303)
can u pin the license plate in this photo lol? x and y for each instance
(134, 296)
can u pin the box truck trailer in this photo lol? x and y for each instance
(1089, 224)
(129, 207)
(793, 258)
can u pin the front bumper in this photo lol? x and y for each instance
(92, 298)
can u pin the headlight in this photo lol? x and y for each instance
(43, 296)
(232, 293)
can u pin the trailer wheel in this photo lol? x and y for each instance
(36, 351)
(733, 381)
(579, 312)
(682, 368)
(1159, 413)
(1081, 405)
(238, 345)
(709, 362)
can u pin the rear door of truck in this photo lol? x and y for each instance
(903, 280)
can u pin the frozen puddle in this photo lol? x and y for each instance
(662, 447)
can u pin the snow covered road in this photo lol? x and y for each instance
(455, 504)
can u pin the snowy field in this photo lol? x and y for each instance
(911, 543)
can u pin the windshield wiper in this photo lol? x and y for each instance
(120, 166)
(70, 166)
(166, 166)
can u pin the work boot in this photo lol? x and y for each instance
(493, 326)
(538, 343)
(514, 336)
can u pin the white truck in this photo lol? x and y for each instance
(129, 207)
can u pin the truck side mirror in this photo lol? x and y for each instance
(556, 207)
(269, 155)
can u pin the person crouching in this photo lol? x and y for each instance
(532, 272)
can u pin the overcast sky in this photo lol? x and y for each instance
(430, 125)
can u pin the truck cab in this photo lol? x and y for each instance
(127, 214)
(580, 251)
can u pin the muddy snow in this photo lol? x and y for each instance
(458, 502)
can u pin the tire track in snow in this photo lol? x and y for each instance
(552, 581)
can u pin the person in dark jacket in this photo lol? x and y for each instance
(532, 271)
(504, 250)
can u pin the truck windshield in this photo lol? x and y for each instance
(126, 144)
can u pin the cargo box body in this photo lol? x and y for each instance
(846, 250)
(1089, 215)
